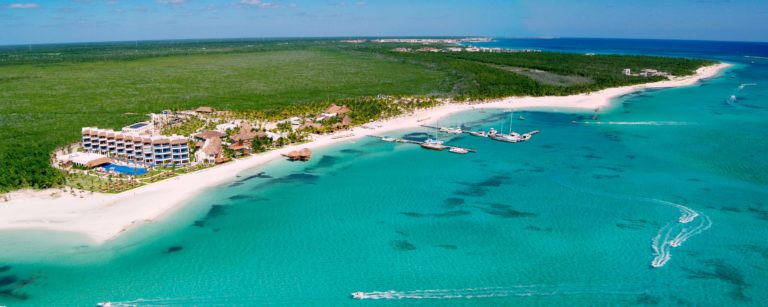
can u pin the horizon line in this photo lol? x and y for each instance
(366, 37)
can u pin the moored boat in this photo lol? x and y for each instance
(458, 150)
(450, 130)
(482, 134)
(433, 144)
(388, 139)
(506, 138)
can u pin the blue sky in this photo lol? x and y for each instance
(44, 21)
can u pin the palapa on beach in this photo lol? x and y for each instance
(300, 155)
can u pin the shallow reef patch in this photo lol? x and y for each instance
(403, 245)
(174, 249)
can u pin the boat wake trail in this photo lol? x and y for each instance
(743, 85)
(640, 123)
(671, 235)
(687, 215)
(661, 247)
(489, 292)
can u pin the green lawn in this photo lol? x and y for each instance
(44, 106)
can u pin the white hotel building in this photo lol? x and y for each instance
(136, 148)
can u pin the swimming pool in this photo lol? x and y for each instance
(125, 169)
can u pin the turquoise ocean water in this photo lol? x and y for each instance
(568, 218)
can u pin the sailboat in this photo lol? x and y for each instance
(512, 137)
(434, 144)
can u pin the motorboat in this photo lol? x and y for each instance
(104, 304)
(482, 134)
(358, 295)
(458, 150)
(388, 139)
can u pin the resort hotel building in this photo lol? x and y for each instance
(134, 146)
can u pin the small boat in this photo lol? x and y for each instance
(506, 138)
(388, 139)
(358, 295)
(433, 144)
(458, 150)
(482, 134)
(451, 130)
(520, 117)
(732, 98)
(104, 304)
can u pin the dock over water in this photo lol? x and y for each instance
(400, 140)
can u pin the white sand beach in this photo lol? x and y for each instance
(102, 217)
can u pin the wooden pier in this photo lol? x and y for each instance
(420, 143)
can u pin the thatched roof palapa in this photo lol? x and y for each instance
(300, 155)
(334, 109)
(210, 134)
(204, 109)
(212, 147)
(244, 134)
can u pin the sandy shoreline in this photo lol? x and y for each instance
(102, 217)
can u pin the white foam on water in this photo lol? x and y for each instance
(687, 215)
(490, 292)
(661, 247)
(664, 240)
(640, 123)
(686, 234)
(743, 85)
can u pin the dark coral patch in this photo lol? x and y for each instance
(325, 161)
(8, 280)
(299, 178)
(453, 202)
(452, 213)
(536, 228)
(412, 214)
(480, 188)
(724, 272)
(506, 211)
(403, 245)
(174, 249)
(647, 299)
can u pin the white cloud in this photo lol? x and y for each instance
(172, 2)
(22, 6)
(258, 3)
